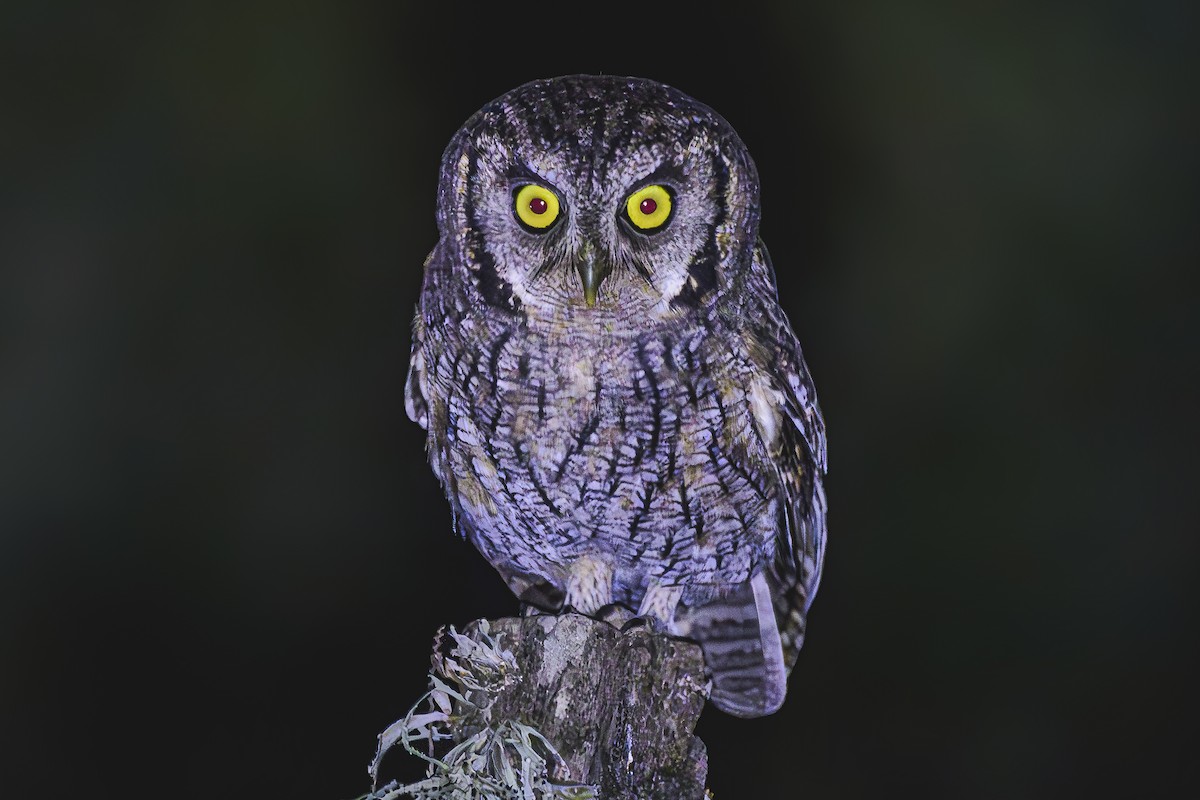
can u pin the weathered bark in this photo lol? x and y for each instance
(619, 706)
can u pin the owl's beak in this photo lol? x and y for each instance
(593, 269)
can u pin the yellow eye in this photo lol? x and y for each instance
(649, 207)
(536, 206)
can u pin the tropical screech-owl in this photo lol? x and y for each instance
(616, 405)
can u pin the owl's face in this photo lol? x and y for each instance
(589, 196)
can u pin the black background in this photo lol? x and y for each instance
(223, 557)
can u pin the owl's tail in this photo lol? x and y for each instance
(743, 650)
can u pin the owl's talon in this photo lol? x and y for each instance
(651, 623)
(615, 614)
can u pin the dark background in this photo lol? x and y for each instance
(223, 557)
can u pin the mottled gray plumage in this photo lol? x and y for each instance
(659, 448)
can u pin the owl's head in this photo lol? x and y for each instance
(590, 196)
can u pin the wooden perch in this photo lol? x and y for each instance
(618, 707)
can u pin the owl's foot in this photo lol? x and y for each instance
(656, 611)
(589, 585)
(660, 603)
(616, 615)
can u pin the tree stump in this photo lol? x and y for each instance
(619, 707)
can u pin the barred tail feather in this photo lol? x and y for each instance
(742, 648)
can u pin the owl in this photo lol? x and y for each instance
(615, 403)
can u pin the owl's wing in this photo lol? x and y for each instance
(752, 636)
(800, 456)
(415, 403)
(416, 392)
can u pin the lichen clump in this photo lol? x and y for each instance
(485, 760)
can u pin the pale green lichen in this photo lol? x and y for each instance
(489, 760)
